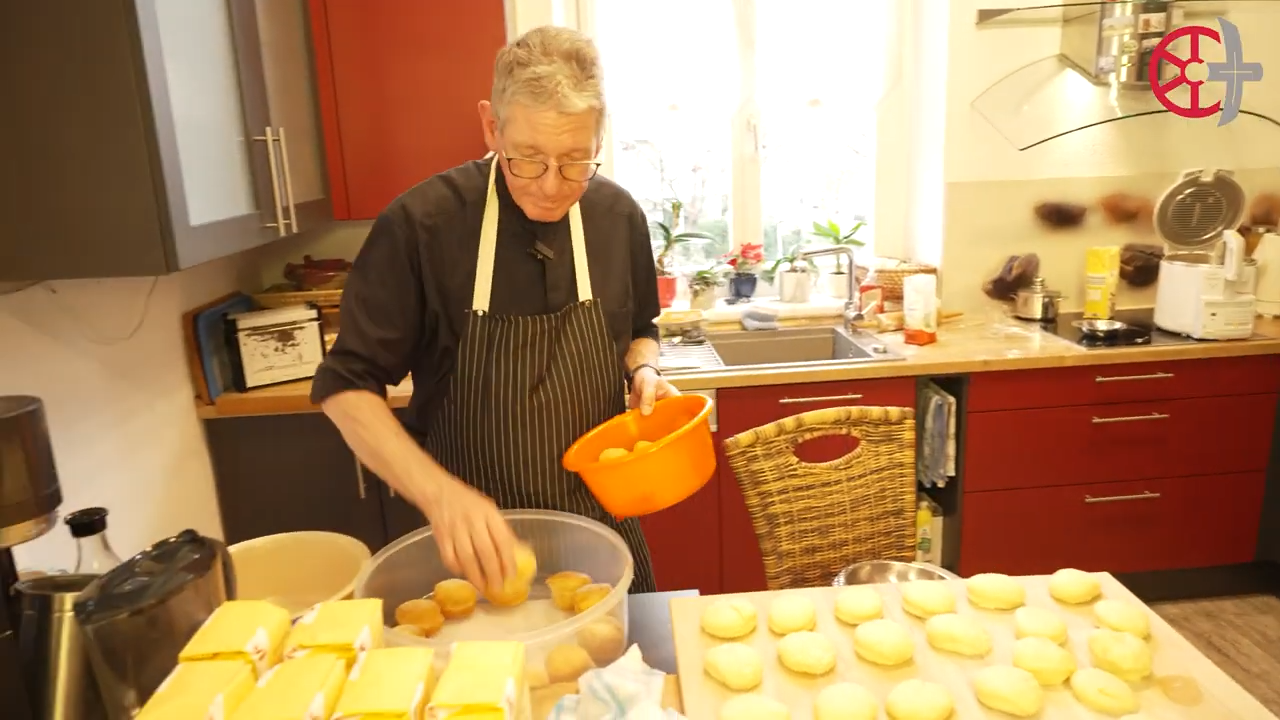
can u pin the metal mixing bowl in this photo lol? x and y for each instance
(890, 571)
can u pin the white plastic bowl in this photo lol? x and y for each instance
(297, 570)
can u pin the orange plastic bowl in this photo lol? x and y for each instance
(680, 461)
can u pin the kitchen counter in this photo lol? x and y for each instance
(966, 345)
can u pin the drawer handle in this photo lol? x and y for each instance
(1144, 495)
(820, 398)
(1117, 378)
(1130, 418)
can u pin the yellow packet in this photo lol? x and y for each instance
(251, 631)
(387, 684)
(305, 688)
(200, 690)
(345, 628)
(483, 681)
(1102, 276)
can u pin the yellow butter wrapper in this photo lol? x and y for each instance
(200, 690)
(305, 688)
(345, 628)
(251, 631)
(483, 681)
(387, 684)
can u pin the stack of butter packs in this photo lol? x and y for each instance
(247, 663)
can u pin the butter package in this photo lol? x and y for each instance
(305, 688)
(345, 628)
(251, 631)
(483, 681)
(387, 684)
(198, 691)
(1101, 280)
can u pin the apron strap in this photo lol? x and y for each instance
(483, 290)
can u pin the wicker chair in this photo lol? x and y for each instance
(814, 519)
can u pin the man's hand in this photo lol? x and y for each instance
(648, 387)
(473, 536)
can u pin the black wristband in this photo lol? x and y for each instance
(632, 372)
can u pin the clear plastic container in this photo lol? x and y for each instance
(411, 566)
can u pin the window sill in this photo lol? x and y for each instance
(819, 306)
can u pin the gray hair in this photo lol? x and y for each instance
(549, 68)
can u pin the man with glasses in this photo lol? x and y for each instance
(520, 293)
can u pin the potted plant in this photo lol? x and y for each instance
(793, 276)
(703, 284)
(668, 239)
(744, 263)
(837, 282)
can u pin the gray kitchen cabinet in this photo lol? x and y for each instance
(142, 137)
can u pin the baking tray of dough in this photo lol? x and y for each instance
(1171, 655)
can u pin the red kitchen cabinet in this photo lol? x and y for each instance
(398, 83)
(684, 540)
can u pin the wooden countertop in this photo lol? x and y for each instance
(967, 345)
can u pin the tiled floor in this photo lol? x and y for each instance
(1240, 634)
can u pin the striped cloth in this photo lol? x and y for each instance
(626, 690)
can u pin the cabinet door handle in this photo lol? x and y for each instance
(270, 139)
(360, 479)
(1130, 418)
(819, 398)
(1118, 378)
(1144, 495)
(288, 181)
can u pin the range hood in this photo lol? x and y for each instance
(1101, 71)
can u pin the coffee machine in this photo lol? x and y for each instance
(29, 500)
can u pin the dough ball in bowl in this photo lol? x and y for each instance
(883, 642)
(526, 563)
(604, 640)
(753, 706)
(926, 598)
(1121, 654)
(916, 699)
(422, 613)
(456, 597)
(807, 652)
(512, 593)
(1049, 662)
(1074, 587)
(1103, 692)
(737, 666)
(566, 663)
(1122, 616)
(1031, 621)
(857, 604)
(613, 454)
(413, 630)
(729, 618)
(792, 612)
(994, 591)
(563, 585)
(845, 701)
(586, 597)
(1010, 690)
(959, 634)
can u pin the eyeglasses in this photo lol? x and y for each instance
(528, 169)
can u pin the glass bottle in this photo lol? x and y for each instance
(94, 555)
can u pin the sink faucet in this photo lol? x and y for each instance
(851, 313)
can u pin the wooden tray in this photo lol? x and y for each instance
(702, 696)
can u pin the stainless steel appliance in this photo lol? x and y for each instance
(58, 677)
(138, 616)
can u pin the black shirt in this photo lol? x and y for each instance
(405, 303)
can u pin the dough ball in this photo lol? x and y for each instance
(563, 585)
(613, 454)
(604, 640)
(1074, 587)
(413, 630)
(926, 598)
(857, 604)
(807, 652)
(1039, 622)
(919, 700)
(423, 613)
(566, 663)
(586, 597)
(1049, 662)
(526, 563)
(791, 612)
(536, 677)
(1010, 690)
(512, 593)
(959, 634)
(456, 597)
(729, 619)
(994, 591)
(753, 706)
(1103, 692)
(641, 445)
(883, 642)
(1123, 617)
(845, 701)
(1120, 654)
(737, 666)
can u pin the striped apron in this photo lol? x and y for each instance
(524, 388)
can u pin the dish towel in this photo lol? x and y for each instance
(626, 690)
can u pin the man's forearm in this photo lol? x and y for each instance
(643, 351)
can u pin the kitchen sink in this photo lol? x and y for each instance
(794, 346)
